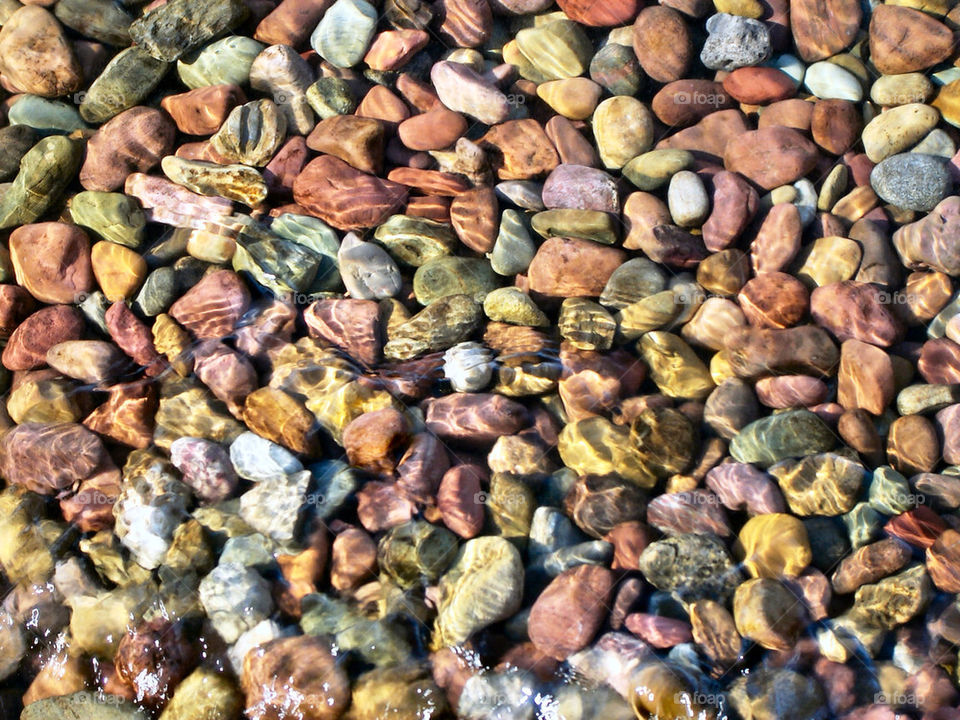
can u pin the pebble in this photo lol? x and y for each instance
(126, 81)
(911, 181)
(687, 199)
(829, 80)
(36, 55)
(734, 42)
(662, 43)
(223, 62)
(897, 129)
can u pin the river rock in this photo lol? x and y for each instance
(911, 181)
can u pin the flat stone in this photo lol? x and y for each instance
(124, 83)
(175, 28)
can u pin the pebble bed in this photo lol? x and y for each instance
(482, 359)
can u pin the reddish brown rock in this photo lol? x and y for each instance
(685, 102)
(658, 630)
(857, 430)
(432, 208)
(778, 240)
(753, 352)
(212, 307)
(422, 467)
(571, 145)
(943, 561)
(904, 40)
(270, 329)
(674, 246)
(570, 611)
(836, 125)
(429, 182)
(642, 212)
(570, 267)
(48, 459)
(662, 43)
(133, 337)
(392, 49)
(710, 136)
(132, 142)
(381, 505)
(822, 28)
(928, 242)
(154, 657)
(692, 511)
(734, 205)
(353, 559)
(91, 507)
(939, 362)
(912, 445)
(358, 141)
(774, 300)
(870, 563)
(794, 113)
(297, 676)
(519, 150)
(475, 216)
(606, 14)
(281, 172)
(346, 198)
(866, 378)
(460, 500)
(16, 304)
(227, 373)
(791, 391)
(948, 426)
(629, 539)
(436, 129)
(381, 104)
(465, 23)
(759, 85)
(29, 343)
(203, 110)
(282, 418)
(301, 573)
(771, 157)
(127, 415)
(852, 310)
(474, 418)
(349, 324)
(372, 440)
(919, 527)
(291, 22)
(740, 486)
(52, 261)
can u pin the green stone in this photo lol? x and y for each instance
(513, 250)
(890, 492)
(415, 552)
(771, 693)
(511, 503)
(829, 543)
(207, 694)
(653, 169)
(593, 225)
(335, 483)
(46, 116)
(825, 484)
(315, 235)
(345, 32)
(251, 134)
(415, 241)
(101, 20)
(616, 68)
(454, 275)
(790, 434)
(158, 292)
(83, 704)
(378, 642)
(15, 140)
(512, 305)
(864, 525)
(224, 62)
(113, 216)
(94, 308)
(635, 280)
(439, 326)
(45, 172)
(188, 409)
(400, 692)
(279, 265)
(331, 96)
(126, 81)
(179, 26)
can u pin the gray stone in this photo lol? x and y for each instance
(735, 42)
(235, 599)
(158, 292)
(911, 181)
(691, 566)
(257, 459)
(368, 271)
(125, 82)
(513, 250)
(276, 508)
(179, 26)
(345, 32)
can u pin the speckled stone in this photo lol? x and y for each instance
(789, 434)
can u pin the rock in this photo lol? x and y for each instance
(119, 270)
(463, 90)
(205, 468)
(771, 157)
(45, 171)
(205, 692)
(327, 178)
(767, 613)
(91, 361)
(233, 182)
(617, 69)
(52, 261)
(687, 199)
(406, 691)
(866, 377)
(520, 149)
(474, 418)
(686, 512)
(212, 307)
(251, 134)
(623, 129)
(154, 658)
(28, 345)
(573, 98)
(578, 596)
(235, 599)
(904, 40)
(554, 50)
(223, 62)
(483, 586)
(113, 216)
(47, 459)
(18, 139)
(586, 447)
(345, 32)
(822, 31)
(869, 564)
(692, 566)
(734, 206)
(674, 367)
(585, 324)
(802, 696)
(895, 599)
(510, 305)
(131, 142)
(451, 275)
(774, 300)
(734, 42)
(439, 326)
(793, 433)
(753, 352)
(36, 55)
(852, 310)
(125, 82)
(313, 685)
(77, 704)
(828, 80)
(662, 43)
(912, 445)
(730, 407)
(897, 130)
(774, 545)
(570, 267)
(911, 181)
(202, 111)
(468, 366)
(173, 29)
(759, 85)
(826, 484)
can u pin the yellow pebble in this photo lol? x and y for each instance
(774, 545)
(119, 270)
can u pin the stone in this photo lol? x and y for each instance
(616, 68)
(52, 261)
(326, 180)
(822, 31)
(212, 307)
(793, 433)
(829, 81)
(452, 275)
(826, 484)
(344, 33)
(113, 216)
(313, 685)
(662, 43)
(130, 142)
(759, 85)
(251, 134)
(692, 566)
(69, 454)
(91, 361)
(510, 305)
(114, 707)
(766, 612)
(45, 171)
(483, 586)
(36, 55)
(439, 326)
(674, 366)
(476, 419)
(119, 270)
(570, 267)
(897, 130)
(734, 42)
(912, 445)
(125, 82)
(895, 599)
(778, 239)
(774, 545)
(205, 692)
(203, 110)
(520, 149)
(869, 564)
(771, 157)
(730, 407)
(223, 62)
(171, 30)
(578, 595)
(623, 129)
(18, 139)
(235, 599)
(28, 345)
(735, 204)
(852, 310)
(774, 300)
(554, 50)
(233, 182)
(911, 181)
(573, 98)
(901, 89)
(463, 90)
(904, 40)
(753, 352)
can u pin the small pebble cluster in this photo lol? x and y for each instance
(481, 359)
